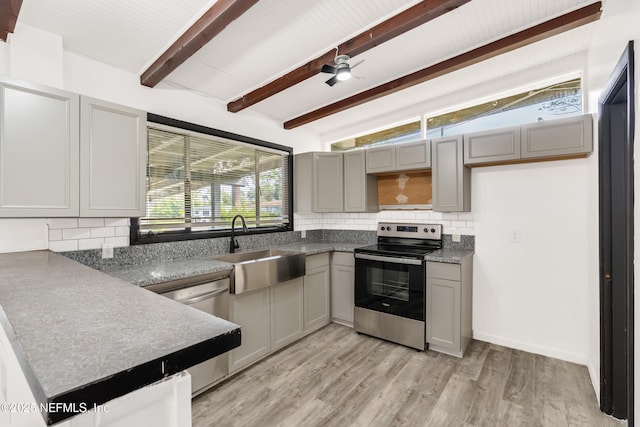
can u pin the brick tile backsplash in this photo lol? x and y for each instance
(72, 234)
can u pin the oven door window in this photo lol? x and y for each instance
(391, 288)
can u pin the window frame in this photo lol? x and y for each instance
(173, 236)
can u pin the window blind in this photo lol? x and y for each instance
(198, 182)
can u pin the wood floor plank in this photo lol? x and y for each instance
(335, 377)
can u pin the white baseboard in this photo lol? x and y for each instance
(580, 359)
(595, 379)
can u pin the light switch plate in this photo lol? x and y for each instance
(303, 233)
(455, 237)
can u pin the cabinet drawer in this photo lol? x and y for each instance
(318, 260)
(344, 258)
(443, 271)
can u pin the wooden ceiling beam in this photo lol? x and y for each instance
(531, 35)
(411, 18)
(9, 11)
(214, 20)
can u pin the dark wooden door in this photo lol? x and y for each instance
(616, 125)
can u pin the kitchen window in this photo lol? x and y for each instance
(198, 178)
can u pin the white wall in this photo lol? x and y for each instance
(38, 56)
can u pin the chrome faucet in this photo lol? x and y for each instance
(234, 243)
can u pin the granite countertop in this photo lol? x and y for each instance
(83, 336)
(451, 256)
(158, 272)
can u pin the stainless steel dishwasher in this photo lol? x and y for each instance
(208, 293)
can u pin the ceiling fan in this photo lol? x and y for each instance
(341, 71)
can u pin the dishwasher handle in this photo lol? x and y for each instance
(202, 297)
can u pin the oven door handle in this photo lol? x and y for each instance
(393, 260)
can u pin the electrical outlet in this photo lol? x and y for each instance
(516, 236)
(303, 233)
(107, 250)
(455, 237)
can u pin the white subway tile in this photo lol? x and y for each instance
(103, 232)
(122, 231)
(55, 235)
(76, 233)
(467, 216)
(90, 222)
(467, 231)
(116, 222)
(117, 242)
(63, 245)
(450, 215)
(459, 224)
(55, 223)
(84, 244)
(435, 216)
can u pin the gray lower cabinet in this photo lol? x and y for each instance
(492, 146)
(113, 150)
(449, 302)
(286, 313)
(360, 189)
(570, 137)
(342, 287)
(451, 179)
(323, 174)
(252, 312)
(399, 157)
(39, 151)
(316, 292)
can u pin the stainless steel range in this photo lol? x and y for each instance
(390, 284)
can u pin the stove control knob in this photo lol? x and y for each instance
(388, 228)
(382, 228)
(433, 230)
(426, 230)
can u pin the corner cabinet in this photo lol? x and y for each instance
(316, 292)
(360, 189)
(449, 305)
(342, 288)
(113, 149)
(323, 174)
(39, 151)
(399, 157)
(451, 179)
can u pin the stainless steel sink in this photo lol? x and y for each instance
(263, 268)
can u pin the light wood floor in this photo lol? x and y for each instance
(335, 377)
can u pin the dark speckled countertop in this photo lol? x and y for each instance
(83, 336)
(158, 272)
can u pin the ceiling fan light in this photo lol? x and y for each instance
(343, 74)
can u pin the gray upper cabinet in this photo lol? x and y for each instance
(451, 179)
(381, 159)
(492, 146)
(113, 146)
(323, 174)
(399, 157)
(570, 137)
(39, 151)
(413, 155)
(328, 182)
(360, 189)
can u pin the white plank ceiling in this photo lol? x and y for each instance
(276, 36)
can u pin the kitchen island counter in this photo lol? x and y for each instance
(83, 337)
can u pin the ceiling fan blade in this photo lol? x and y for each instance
(357, 63)
(326, 68)
(333, 80)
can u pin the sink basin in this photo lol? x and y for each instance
(262, 268)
